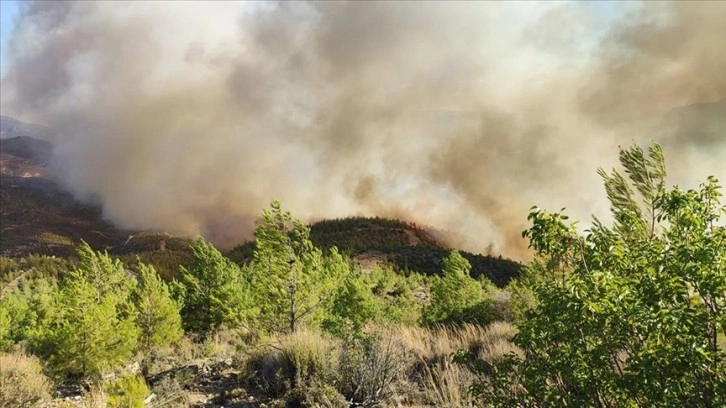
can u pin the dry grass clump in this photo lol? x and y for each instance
(168, 393)
(295, 364)
(439, 380)
(309, 368)
(95, 398)
(373, 371)
(400, 366)
(22, 382)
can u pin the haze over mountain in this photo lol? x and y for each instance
(192, 116)
(12, 127)
(38, 216)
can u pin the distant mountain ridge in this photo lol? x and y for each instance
(11, 127)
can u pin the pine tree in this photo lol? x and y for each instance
(293, 278)
(92, 332)
(93, 327)
(455, 295)
(215, 292)
(157, 314)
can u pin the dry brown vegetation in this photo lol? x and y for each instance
(395, 366)
(22, 382)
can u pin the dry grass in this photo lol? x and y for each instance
(439, 380)
(96, 398)
(300, 360)
(223, 344)
(169, 394)
(437, 344)
(22, 382)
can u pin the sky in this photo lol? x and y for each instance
(8, 12)
(191, 116)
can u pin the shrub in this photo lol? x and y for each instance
(127, 392)
(304, 362)
(353, 306)
(170, 394)
(308, 357)
(371, 369)
(22, 382)
(429, 355)
(627, 314)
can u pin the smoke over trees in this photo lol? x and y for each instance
(192, 116)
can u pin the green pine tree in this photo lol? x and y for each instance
(215, 292)
(455, 296)
(293, 278)
(93, 332)
(157, 314)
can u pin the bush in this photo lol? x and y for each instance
(127, 392)
(308, 357)
(370, 369)
(627, 314)
(22, 382)
(455, 296)
(302, 363)
(170, 394)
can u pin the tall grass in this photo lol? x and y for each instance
(22, 382)
(439, 381)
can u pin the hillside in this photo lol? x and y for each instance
(406, 246)
(38, 216)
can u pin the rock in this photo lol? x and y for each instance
(150, 398)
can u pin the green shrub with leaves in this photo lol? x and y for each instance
(628, 315)
(5, 339)
(394, 293)
(354, 306)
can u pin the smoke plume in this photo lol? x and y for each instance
(191, 116)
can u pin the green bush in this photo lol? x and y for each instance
(127, 392)
(627, 314)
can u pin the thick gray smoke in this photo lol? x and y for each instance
(192, 116)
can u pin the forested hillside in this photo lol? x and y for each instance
(625, 315)
(406, 246)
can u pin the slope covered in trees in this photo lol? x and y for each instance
(407, 247)
(628, 314)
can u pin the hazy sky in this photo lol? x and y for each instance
(191, 116)
(8, 14)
